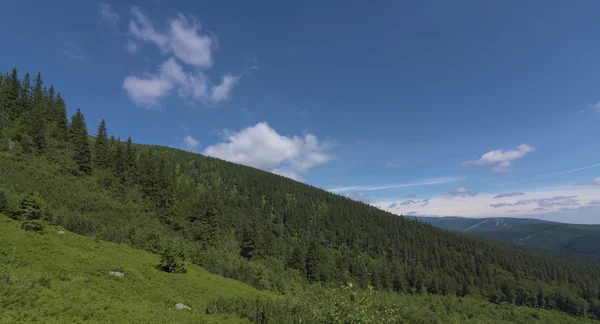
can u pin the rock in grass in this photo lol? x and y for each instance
(117, 274)
(182, 306)
(61, 232)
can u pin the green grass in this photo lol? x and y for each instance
(64, 279)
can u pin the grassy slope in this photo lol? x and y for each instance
(64, 279)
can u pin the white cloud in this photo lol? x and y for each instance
(146, 92)
(260, 146)
(190, 142)
(182, 39)
(504, 158)
(188, 45)
(108, 15)
(531, 204)
(427, 182)
(222, 91)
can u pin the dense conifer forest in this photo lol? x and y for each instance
(242, 223)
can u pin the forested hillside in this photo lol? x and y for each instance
(247, 224)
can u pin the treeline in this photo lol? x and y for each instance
(255, 226)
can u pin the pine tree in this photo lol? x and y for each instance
(39, 101)
(119, 161)
(25, 95)
(37, 129)
(79, 139)
(101, 146)
(62, 123)
(130, 160)
(10, 96)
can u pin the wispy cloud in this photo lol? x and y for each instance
(550, 175)
(459, 192)
(69, 42)
(503, 158)
(561, 201)
(108, 15)
(190, 142)
(392, 165)
(427, 182)
(508, 194)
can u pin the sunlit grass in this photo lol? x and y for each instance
(64, 279)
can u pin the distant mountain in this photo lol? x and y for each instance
(556, 238)
(464, 224)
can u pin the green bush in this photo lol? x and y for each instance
(171, 261)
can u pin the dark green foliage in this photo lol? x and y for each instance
(31, 207)
(171, 261)
(79, 138)
(3, 201)
(101, 148)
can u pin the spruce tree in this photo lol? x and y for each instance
(130, 160)
(119, 162)
(62, 123)
(101, 146)
(10, 96)
(37, 130)
(25, 95)
(79, 139)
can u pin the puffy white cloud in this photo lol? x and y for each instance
(504, 158)
(222, 91)
(108, 15)
(182, 39)
(260, 146)
(148, 90)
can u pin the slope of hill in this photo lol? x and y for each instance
(65, 279)
(250, 225)
(465, 224)
(560, 238)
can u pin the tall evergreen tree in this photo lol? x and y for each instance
(119, 160)
(79, 138)
(62, 123)
(10, 96)
(101, 146)
(37, 129)
(130, 160)
(25, 95)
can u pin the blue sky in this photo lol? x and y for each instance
(421, 107)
